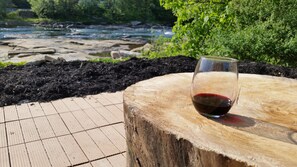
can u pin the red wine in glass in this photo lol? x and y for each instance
(215, 85)
(212, 104)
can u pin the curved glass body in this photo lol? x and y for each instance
(214, 86)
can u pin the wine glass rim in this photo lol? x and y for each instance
(219, 58)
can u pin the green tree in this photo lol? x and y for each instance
(263, 31)
(196, 20)
(89, 8)
(24, 4)
(43, 8)
(3, 5)
(246, 29)
(65, 8)
(141, 10)
(161, 14)
(113, 12)
(57, 9)
(125, 10)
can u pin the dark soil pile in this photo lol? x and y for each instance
(45, 81)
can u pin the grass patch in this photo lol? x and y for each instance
(5, 64)
(108, 60)
(161, 48)
(37, 20)
(14, 16)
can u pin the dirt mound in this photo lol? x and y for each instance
(45, 81)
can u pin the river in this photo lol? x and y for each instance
(89, 32)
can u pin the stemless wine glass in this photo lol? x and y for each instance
(214, 86)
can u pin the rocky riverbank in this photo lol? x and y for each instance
(14, 23)
(30, 50)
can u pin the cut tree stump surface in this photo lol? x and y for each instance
(164, 129)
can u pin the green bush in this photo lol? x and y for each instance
(13, 15)
(268, 41)
(245, 29)
(44, 8)
(263, 31)
(158, 48)
(195, 22)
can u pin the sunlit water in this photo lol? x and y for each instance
(90, 32)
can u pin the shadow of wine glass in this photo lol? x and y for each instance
(235, 120)
(258, 127)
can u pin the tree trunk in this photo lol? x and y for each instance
(164, 129)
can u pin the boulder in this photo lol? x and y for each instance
(143, 48)
(135, 23)
(123, 54)
(49, 58)
(115, 54)
(52, 59)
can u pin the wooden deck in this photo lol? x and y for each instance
(84, 132)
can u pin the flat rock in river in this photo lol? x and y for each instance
(68, 49)
(32, 51)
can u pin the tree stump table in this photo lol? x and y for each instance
(164, 129)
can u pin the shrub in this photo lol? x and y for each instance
(195, 22)
(246, 29)
(158, 48)
(267, 41)
(263, 31)
(43, 8)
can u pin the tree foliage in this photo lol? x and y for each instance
(113, 10)
(3, 4)
(54, 8)
(110, 10)
(23, 4)
(89, 8)
(43, 8)
(264, 31)
(246, 29)
(195, 22)
(142, 10)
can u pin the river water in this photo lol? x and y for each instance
(89, 32)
